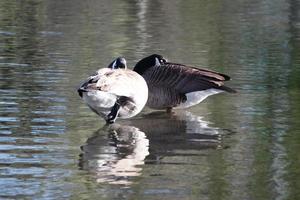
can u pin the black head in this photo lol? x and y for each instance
(148, 62)
(118, 63)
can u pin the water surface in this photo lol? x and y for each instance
(241, 146)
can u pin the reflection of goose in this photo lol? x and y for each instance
(115, 157)
(181, 131)
(116, 153)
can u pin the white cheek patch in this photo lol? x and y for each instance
(157, 63)
(114, 65)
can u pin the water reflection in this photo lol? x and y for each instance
(115, 154)
(180, 133)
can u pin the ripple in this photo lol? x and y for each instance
(8, 119)
(18, 188)
(44, 119)
(32, 172)
(51, 33)
(15, 64)
(49, 98)
(7, 33)
(7, 103)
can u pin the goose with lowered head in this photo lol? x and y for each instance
(173, 85)
(115, 92)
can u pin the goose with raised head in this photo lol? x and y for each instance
(115, 92)
(173, 85)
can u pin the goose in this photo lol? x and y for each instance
(173, 85)
(115, 91)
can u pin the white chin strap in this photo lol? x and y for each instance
(157, 63)
(114, 64)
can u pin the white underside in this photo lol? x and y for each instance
(102, 102)
(194, 98)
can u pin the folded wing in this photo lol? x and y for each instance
(185, 79)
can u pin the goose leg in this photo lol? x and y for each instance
(112, 116)
(122, 101)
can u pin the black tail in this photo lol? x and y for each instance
(228, 89)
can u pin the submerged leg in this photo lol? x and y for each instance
(112, 116)
(169, 110)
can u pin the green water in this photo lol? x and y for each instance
(231, 146)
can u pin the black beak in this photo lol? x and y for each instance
(81, 90)
(84, 86)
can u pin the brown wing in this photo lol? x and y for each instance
(185, 79)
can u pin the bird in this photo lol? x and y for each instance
(114, 91)
(174, 86)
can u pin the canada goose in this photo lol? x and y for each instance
(173, 85)
(115, 91)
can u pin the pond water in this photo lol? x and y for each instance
(231, 146)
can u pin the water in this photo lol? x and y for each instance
(240, 146)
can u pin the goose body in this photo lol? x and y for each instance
(115, 92)
(173, 85)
